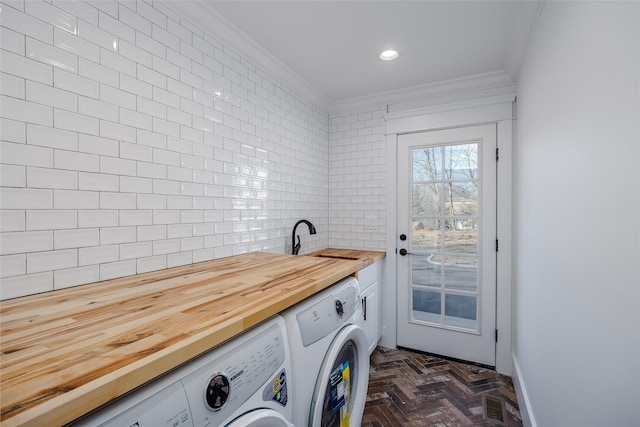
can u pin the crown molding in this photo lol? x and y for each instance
(204, 16)
(484, 99)
(444, 92)
(519, 46)
(448, 92)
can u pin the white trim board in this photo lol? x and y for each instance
(389, 334)
(504, 233)
(496, 109)
(524, 405)
(467, 113)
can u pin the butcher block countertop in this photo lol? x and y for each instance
(67, 352)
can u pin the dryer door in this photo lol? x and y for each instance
(261, 418)
(341, 387)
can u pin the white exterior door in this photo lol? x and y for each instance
(446, 240)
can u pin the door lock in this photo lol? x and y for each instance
(403, 237)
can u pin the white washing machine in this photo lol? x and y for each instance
(245, 382)
(330, 357)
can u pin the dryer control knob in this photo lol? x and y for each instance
(217, 392)
(339, 308)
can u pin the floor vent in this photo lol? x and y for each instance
(494, 408)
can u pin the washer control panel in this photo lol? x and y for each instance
(336, 306)
(224, 384)
(167, 408)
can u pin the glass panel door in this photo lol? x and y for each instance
(446, 242)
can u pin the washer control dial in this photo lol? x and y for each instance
(339, 308)
(217, 392)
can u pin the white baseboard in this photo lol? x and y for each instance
(528, 420)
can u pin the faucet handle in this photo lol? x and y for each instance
(296, 248)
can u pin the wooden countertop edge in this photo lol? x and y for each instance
(365, 257)
(59, 410)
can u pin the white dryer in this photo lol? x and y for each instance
(243, 383)
(330, 357)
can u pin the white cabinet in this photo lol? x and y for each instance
(370, 292)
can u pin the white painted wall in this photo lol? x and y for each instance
(577, 194)
(132, 140)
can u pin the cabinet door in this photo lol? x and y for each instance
(368, 275)
(371, 315)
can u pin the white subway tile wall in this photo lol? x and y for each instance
(133, 141)
(357, 179)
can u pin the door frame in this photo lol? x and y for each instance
(497, 110)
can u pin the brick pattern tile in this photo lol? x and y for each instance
(409, 388)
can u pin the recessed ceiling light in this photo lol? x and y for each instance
(388, 55)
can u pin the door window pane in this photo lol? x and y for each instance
(462, 199)
(458, 274)
(425, 272)
(427, 163)
(427, 305)
(444, 238)
(460, 311)
(461, 237)
(427, 199)
(426, 235)
(461, 161)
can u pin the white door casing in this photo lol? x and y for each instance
(497, 110)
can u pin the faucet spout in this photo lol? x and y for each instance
(295, 247)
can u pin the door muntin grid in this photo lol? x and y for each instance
(445, 237)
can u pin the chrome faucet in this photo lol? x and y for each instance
(296, 246)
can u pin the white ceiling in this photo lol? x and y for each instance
(331, 47)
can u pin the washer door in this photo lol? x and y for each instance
(341, 387)
(261, 418)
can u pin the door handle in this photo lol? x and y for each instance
(364, 306)
(404, 252)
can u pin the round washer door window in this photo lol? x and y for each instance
(342, 385)
(261, 418)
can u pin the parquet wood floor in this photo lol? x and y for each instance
(412, 389)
